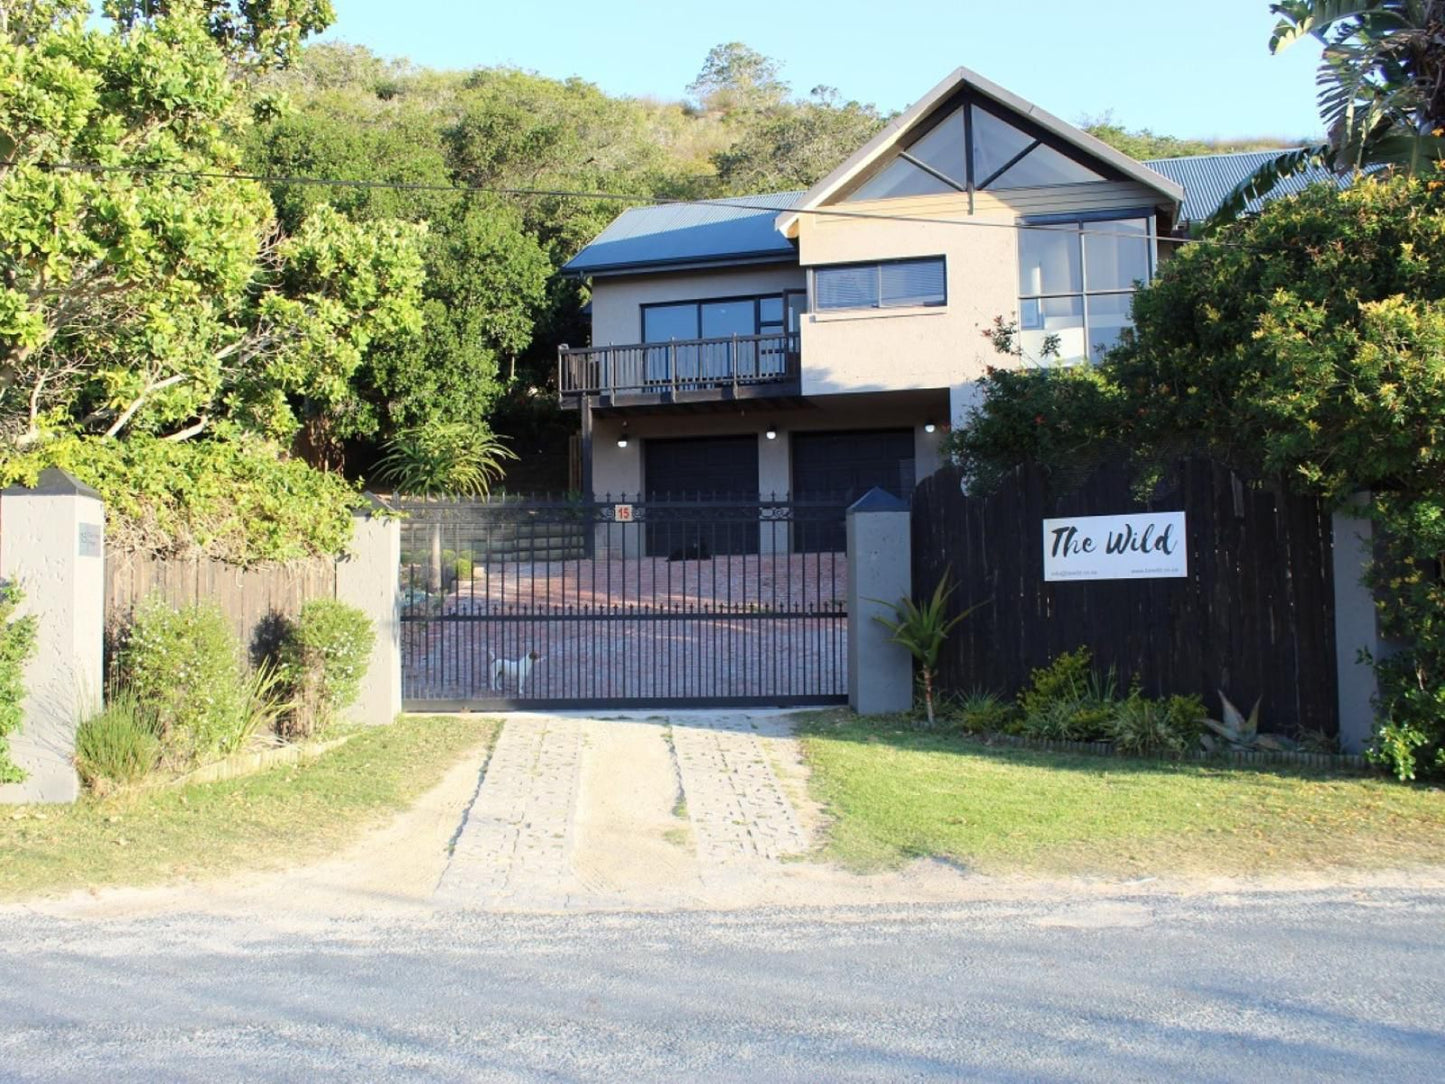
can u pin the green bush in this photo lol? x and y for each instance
(17, 644)
(1067, 701)
(185, 666)
(118, 746)
(1170, 726)
(240, 501)
(983, 713)
(324, 657)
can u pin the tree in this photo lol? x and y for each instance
(1381, 89)
(256, 34)
(142, 287)
(1142, 143)
(736, 80)
(443, 459)
(795, 146)
(1305, 349)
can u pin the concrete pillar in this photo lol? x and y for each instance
(1356, 623)
(368, 578)
(774, 482)
(880, 672)
(52, 543)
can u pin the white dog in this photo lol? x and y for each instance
(506, 669)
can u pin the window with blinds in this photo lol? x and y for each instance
(890, 285)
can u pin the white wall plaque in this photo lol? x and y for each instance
(1141, 546)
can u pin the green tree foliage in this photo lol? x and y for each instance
(256, 33)
(737, 80)
(1144, 144)
(17, 644)
(1381, 87)
(1308, 348)
(794, 146)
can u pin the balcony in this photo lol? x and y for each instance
(681, 371)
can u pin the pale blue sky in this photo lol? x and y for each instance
(1185, 69)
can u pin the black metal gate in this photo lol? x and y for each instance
(620, 603)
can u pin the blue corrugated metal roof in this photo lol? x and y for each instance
(682, 233)
(1209, 178)
(731, 230)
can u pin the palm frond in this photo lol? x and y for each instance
(1264, 179)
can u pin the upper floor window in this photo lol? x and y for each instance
(974, 148)
(1077, 280)
(887, 285)
(721, 318)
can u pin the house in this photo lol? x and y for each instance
(819, 343)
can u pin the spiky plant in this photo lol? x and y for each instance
(923, 630)
(443, 459)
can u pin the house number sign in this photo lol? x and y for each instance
(622, 513)
(1143, 546)
(90, 540)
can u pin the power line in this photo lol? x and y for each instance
(735, 203)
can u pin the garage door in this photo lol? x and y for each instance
(842, 467)
(699, 470)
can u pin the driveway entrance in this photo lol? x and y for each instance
(587, 604)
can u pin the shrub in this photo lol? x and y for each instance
(185, 666)
(1171, 726)
(983, 713)
(241, 501)
(1067, 701)
(118, 746)
(17, 643)
(324, 658)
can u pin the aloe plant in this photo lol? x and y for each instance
(923, 630)
(1241, 732)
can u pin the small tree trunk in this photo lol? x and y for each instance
(434, 574)
(928, 694)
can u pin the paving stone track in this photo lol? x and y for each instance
(667, 808)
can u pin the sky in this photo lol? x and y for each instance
(1184, 69)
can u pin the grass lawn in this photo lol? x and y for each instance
(896, 793)
(270, 819)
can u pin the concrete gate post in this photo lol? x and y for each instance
(52, 544)
(880, 672)
(1356, 623)
(368, 577)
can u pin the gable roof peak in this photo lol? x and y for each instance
(895, 132)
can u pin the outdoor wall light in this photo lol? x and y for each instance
(622, 440)
(772, 434)
(929, 427)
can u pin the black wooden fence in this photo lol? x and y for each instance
(1254, 617)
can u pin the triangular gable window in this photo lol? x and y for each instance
(1004, 156)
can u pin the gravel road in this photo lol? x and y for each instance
(1317, 985)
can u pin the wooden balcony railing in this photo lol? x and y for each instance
(691, 365)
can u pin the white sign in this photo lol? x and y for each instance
(1143, 546)
(622, 513)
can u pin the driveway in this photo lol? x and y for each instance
(663, 811)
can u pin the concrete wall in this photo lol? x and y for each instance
(880, 672)
(367, 578)
(617, 302)
(52, 543)
(942, 346)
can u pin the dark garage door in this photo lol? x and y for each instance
(843, 467)
(699, 470)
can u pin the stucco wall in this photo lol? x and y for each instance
(617, 302)
(930, 347)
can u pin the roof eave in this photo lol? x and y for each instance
(642, 267)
